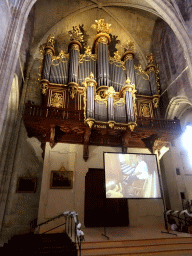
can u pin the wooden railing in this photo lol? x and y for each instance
(53, 113)
(158, 123)
(78, 115)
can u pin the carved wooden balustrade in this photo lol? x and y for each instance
(68, 126)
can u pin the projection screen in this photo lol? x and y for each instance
(131, 176)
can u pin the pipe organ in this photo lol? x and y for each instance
(110, 90)
(98, 99)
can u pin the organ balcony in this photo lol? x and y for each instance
(96, 99)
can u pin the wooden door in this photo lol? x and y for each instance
(100, 211)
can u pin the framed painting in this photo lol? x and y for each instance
(26, 185)
(61, 180)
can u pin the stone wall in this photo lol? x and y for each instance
(5, 17)
(173, 67)
(20, 156)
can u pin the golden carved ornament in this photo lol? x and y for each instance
(157, 77)
(88, 51)
(117, 62)
(128, 56)
(128, 87)
(103, 40)
(111, 124)
(132, 126)
(90, 122)
(49, 50)
(100, 126)
(75, 47)
(120, 102)
(101, 27)
(62, 55)
(117, 57)
(73, 88)
(42, 49)
(145, 110)
(89, 81)
(111, 91)
(102, 91)
(151, 68)
(76, 34)
(142, 72)
(57, 100)
(129, 46)
(150, 58)
(51, 40)
(120, 128)
(100, 100)
(156, 101)
(44, 87)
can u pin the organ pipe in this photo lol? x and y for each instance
(48, 53)
(151, 69)
(129, 65)
(110, 97)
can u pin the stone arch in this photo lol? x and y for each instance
(20, 12)
(181, 108)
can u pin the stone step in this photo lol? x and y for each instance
(145, 246)
(102, 244)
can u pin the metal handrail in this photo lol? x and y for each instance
(182, 218)
(72, 227)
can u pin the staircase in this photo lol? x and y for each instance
(33, 244)
(160, 246)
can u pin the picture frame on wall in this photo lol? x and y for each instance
(26, 185)
(61, 180)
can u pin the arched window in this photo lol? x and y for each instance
(187, 141)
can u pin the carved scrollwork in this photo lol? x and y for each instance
(87, 56)
(142, 72)
(111, 92)
(76, 34)
(129, 46)
(100, 100)
(62, 57)
(120, 102)
(156, 101)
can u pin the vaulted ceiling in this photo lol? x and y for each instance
(132, 19)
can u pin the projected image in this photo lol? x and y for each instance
(131, 176)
